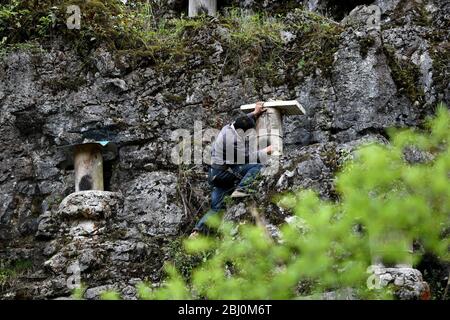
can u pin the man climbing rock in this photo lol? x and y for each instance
(233, 164)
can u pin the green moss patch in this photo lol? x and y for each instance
(405, 75)
(365, 44)
(440, 53)
(184, 261)
(65, 83)
(317, 40)
(10, 271)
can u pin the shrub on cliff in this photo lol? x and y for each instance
(388, 200)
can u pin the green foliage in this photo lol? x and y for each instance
(5, 275)
(102, 21)
(183, 260)
(110, 295)
(175, 289)
(316, 42)
(31, 47)
(78, 293)
(11, 271)
(263, 53)
(385, 204)
(301, 64)
(252, 43)
(246, 29)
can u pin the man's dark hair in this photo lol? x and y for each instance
(244, 123)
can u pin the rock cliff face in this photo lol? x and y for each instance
(383, 75)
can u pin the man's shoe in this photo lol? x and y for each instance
(194, 234)
(239, 194)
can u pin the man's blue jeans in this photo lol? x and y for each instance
(248, 173)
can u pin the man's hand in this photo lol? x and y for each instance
(268, 150)
(259, 109)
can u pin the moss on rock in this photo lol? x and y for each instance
(409, 11)
(69, 83)
(405, 75)
(365, 43)
(252, 44)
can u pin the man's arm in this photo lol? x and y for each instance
(259, 110)
(260, 155)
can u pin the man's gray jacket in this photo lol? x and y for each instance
(236, 146)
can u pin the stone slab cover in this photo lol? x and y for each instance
(289, 108)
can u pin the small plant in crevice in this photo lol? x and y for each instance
(11, 271)
(183, 260)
